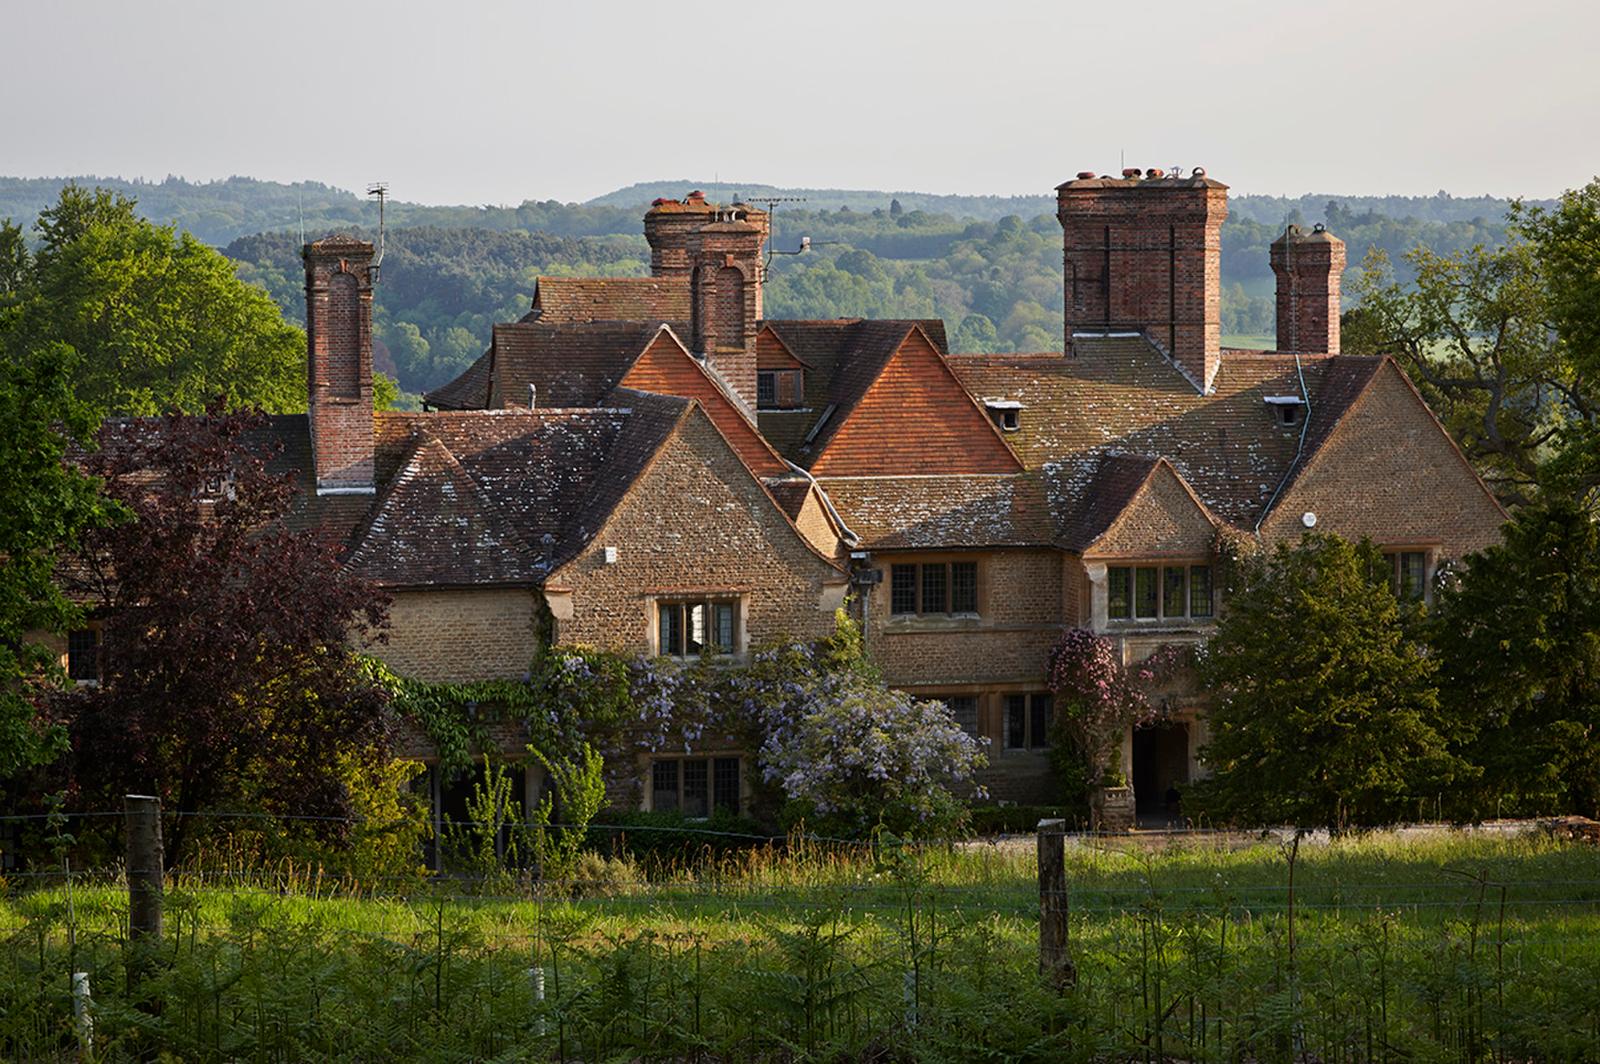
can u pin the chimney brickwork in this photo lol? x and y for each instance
(1145, 253)
(1308, 267)
(339, 362)
(716, 251)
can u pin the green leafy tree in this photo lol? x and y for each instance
(159, 319)
(1565, 239)
(1473, 331)
(46, 505)
(1518, 638)
(1326, 710)
(976, 335)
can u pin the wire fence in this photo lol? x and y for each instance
(805, 946)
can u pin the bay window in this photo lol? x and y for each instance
(1159, 592)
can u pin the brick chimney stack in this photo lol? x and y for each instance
(1143, 252)
(339, 363)
(716, 251)
(669, 227)
(725, 294)
(1308, 267)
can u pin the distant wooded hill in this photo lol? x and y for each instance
(989, 265)
(220, 211)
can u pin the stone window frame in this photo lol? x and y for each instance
(1099, 574)
(713, 765)
(741, 629)
(1160, 591)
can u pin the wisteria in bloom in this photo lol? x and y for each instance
(849, 750)
(830, 739)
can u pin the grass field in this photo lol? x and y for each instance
(1449, 948)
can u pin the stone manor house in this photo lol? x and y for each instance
(651, 464)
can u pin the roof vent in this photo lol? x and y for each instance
(1154, 172)
(1198, 171)
(696, 196)
(1085, 175)
(1131, 172)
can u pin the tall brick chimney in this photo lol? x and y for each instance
(1308, 267)
(339, 363)
(1144, 252)
(725, 294)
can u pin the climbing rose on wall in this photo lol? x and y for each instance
(1098, 698)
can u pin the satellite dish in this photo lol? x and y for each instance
(1308, 519)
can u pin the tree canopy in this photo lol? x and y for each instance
(1333, 719)
(46, 505)
(1518, 640)
(229, 676)
(159, 320)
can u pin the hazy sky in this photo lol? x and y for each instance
(469, 102)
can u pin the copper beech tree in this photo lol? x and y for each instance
(229, 677)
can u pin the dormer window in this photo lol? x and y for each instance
(1005, 413)
(778, 389)
(1286, 409)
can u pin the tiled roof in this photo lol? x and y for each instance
(913, 417)
(433, 526)
(1117, 396)
(666, 368)
(1115, 483)
(1139, 505)
(583, 365)
(911, 512)
(565, 300)
(789, 493)
(843, 357)
(477, 497)
(569, 365)
(469, 391)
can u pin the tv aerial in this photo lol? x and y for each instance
(772, 209)
(379, 189)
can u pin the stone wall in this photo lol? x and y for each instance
(696, 522)
(463, 635)
(1019, 619)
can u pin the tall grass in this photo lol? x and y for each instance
(1454, 948)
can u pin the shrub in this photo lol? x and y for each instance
(849, 753)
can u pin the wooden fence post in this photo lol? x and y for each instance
(145, 875)
(1055, 966)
